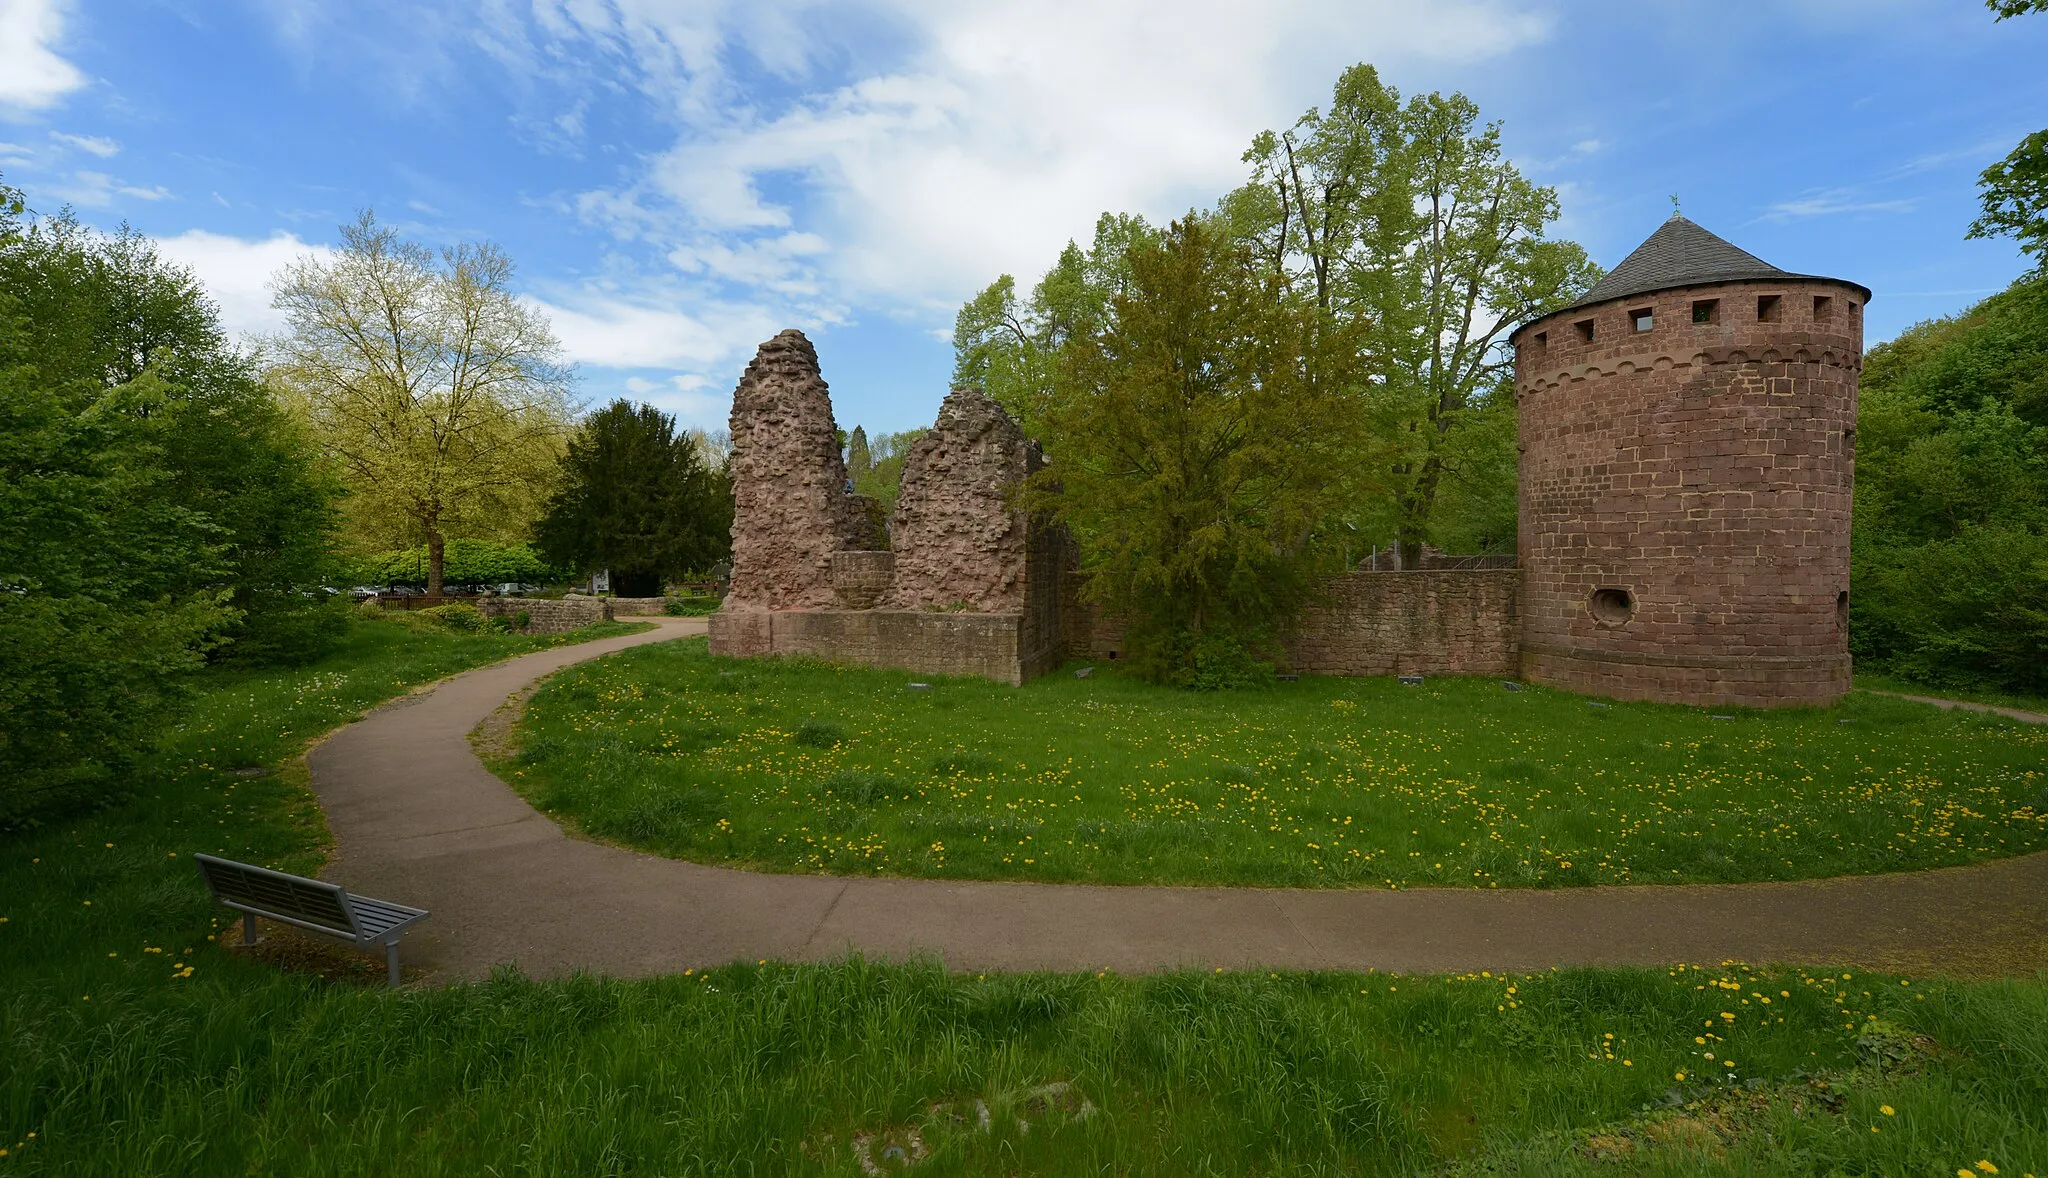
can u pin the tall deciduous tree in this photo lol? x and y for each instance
(637, 498)
(441, 396)
(1406, 219)
(155, 508)
(1202, 440)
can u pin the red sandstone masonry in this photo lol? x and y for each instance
(1705, 468)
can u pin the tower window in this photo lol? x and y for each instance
(1823, 308)
(1644, 318)
(1769, 308)
(1542, 340)
(1706, 310)
(1585, 330)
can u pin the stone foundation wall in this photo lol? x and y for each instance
(547, 616)
(925, 641)
(1430, 621)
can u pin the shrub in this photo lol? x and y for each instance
(459, 617)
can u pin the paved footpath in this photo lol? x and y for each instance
(419, 820)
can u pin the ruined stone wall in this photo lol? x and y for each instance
(791, 510)
(925, 641)
(1685, 493)
(1429, 621)
(959, 537)
(546, 615)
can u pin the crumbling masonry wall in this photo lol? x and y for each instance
(791, 506)
(960, 539)
(970, 583)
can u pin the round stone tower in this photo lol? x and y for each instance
(1688, 437)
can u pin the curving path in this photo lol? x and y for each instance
(418, 819)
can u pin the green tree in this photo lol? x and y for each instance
(2015, 198)
(2015, 189)
(155, 507)
(1009, 348)
(636, 498)
(1203, 439)
(439, 395)
(859, 459)
(1407, 220)
(1950, 547)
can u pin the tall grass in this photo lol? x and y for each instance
(129, 1045)
(795, 765)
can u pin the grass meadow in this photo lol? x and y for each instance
(794, 765)
(132, 1045)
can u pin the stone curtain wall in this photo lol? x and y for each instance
(791, 509)
(1705, 470)
(1427, 622)
(959, 539)
(545, 615)
(638, 607)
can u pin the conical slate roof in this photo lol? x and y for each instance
(1679, 253)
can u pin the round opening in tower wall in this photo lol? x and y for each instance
(1612, 607)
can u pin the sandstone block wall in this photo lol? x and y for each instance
(959, 537)
(1704, 470)
(1437, 622)
(638, 607)
(925, 641)
(792, 510)
(545, 615)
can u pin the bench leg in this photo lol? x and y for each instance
(248, 928)
(391, 961)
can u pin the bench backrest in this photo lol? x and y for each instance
(295, 898)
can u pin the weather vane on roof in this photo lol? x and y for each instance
(1674, 204)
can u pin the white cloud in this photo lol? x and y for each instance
(685, 397)
(1832, 202)
(97, 190)
(236, 272)
(92, 144)
(1006, 129)
(32, 76)
(605, 330)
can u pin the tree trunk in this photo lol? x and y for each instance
(1419, 504)
(436, 554)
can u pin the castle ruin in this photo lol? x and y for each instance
(1687, 437)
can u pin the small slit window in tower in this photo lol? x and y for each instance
(1768, 308)
(1823, 308)
(1542, 341)
(1842, 609)
(1644, 318)
(1706, 310)
(1585, 330)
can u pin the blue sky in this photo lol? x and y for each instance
(677, 181)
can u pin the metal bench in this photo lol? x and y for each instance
(308, 903)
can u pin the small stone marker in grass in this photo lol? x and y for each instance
(1511, 685)
(1084, 672)
(1715, 717)
(1411, 680)
(1288, 678)
(1597, 704)
(920, 687)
